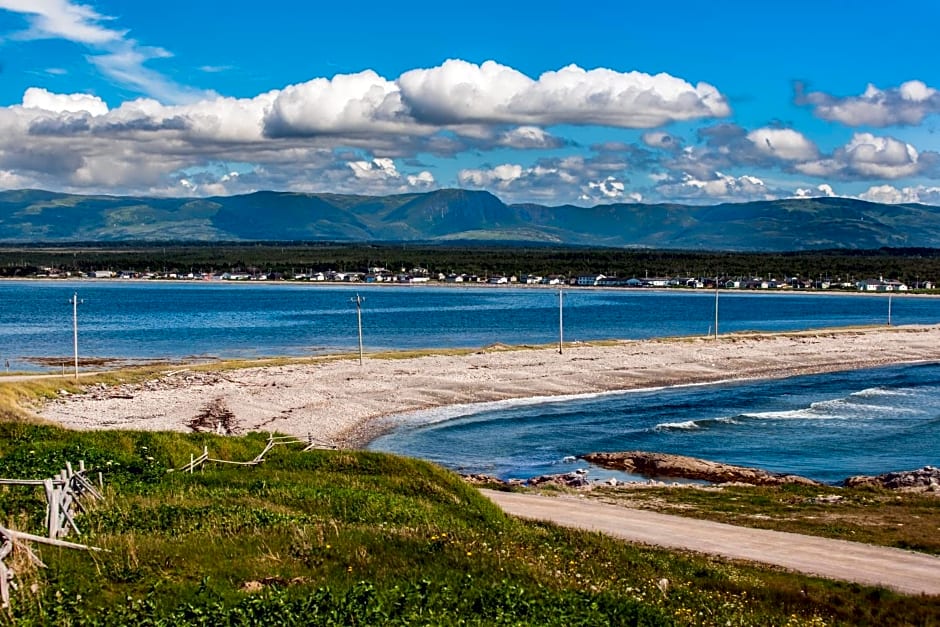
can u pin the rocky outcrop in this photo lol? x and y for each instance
(576, 479)
(926, 479)
(663, 465)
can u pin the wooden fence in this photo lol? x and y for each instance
(310, 443)
(65, 493)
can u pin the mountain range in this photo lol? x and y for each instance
(460, 215)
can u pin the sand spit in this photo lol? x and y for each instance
(339, 401)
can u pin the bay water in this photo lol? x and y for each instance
(823, 426)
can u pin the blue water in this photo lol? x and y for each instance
(175, 321)
(826, 427)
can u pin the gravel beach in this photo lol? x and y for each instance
(339, 402)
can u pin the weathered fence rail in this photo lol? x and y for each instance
(310, 443)
(64, 495)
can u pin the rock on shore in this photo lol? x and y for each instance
(926, 478)
(664, 465)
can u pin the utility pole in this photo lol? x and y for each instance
(358, 300)
(561, 322)
(716, 307)
(75, 302)
(889, 308)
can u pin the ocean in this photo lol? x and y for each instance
(826, 427)
(126, 320)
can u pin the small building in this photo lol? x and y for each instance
(589, 279)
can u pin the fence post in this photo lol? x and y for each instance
(52, 509)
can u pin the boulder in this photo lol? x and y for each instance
(680, 466)
(926, 478)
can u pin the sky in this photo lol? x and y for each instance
(551, 102)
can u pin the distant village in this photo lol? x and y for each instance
(423, 276)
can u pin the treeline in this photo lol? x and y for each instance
(908, 264)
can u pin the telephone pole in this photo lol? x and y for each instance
(716, 307)
(358, 300)
(561, 322)
(75, 302)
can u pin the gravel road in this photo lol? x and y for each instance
(903, 571)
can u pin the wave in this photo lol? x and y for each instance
(841, 406)
(876, 392)
(688, 425)
(423, 417)
(787, 414)
(692, 425)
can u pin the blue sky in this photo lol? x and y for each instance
(553, 102)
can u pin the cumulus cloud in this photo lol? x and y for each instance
(662, 140)
(906, 104)
(718, 187)
(461, 92)
(38, 98)
(867, 156)
(350, 103)
(499, 176)
(610, 188)
(889, 194)
(821, 190)
(783, 143)
(385, 171)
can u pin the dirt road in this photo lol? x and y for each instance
(904, 571)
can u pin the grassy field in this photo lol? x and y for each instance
(357, 538)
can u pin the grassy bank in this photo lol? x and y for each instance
(903, 520)
(335, 537)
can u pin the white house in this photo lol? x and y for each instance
(589, 279)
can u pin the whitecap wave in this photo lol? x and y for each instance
(789, 414)
(688, 425)
(435, 415)
(876, 392)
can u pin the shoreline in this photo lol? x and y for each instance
(336, 401)
(488, 286)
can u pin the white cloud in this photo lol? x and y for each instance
(38, 98)
(421, 179)
(381, 169)
(500, 176)
(718, 187)
(867, 156)
(461, 92)
(609, 188)
(12, 180)
(661, 139)
(889, 194)
(906, 104)
(347, 103)
(62, 19)
(783, 143)
(822, 190)
(527, 137)
(118, 57)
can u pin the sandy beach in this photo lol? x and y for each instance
(340, 402)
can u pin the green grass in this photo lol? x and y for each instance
(359, 538)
